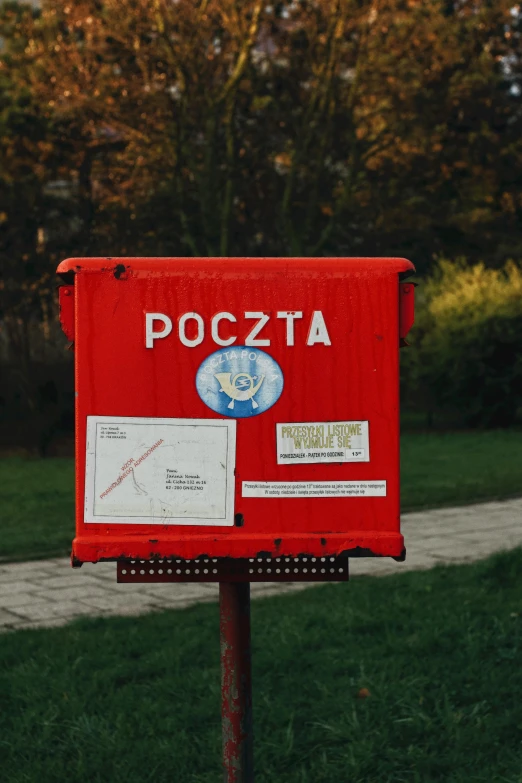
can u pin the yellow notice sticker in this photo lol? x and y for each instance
(316, 441)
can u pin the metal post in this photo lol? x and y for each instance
(236, 682)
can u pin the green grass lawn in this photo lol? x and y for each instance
(37, 503)
(130, 700)
(454, 468)
(36, 507)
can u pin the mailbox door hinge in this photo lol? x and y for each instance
(66, 301)
(406, 310)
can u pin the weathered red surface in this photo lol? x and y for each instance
(355, 378)
(66, 302)
(236, 682)
(406, 310)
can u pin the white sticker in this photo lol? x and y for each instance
(316, 441)
(160, 471)
(313, 489)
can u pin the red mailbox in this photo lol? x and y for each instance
(239, 407)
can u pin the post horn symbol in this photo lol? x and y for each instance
(241, 387)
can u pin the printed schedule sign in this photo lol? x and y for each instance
(313, 489)
(315, 441)
(160, 471)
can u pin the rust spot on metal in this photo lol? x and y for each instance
(119, 271)
(277, 542)
(236, 682)
(323, 541)
(67, 320)
(359, 551)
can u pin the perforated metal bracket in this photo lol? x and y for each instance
(259, 569)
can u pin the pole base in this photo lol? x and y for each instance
(236, 682)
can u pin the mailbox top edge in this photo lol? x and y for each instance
(236, 263)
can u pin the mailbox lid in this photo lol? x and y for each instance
(241, 266)
(352, 379)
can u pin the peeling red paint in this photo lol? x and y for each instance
(93, 548)
(66, 302)
(406, 311)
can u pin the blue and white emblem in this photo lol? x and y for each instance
(239, 382)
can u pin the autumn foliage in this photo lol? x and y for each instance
(218, 127)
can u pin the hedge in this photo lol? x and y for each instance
(466, 355)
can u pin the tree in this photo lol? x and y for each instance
(302, 127)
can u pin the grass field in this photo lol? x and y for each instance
(130, 700)
(37, 504)
(454, 468)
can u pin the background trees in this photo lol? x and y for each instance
(213, 127)
(295, 127)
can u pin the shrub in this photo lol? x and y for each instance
(466, 357)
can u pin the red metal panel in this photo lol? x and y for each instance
(355, 378)
(66, 302)
(406, 310)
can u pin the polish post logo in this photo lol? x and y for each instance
(239, 382)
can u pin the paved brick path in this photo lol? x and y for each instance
(48, 593)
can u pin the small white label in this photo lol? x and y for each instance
(316, 441)
(313, 489)
(160, 471)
